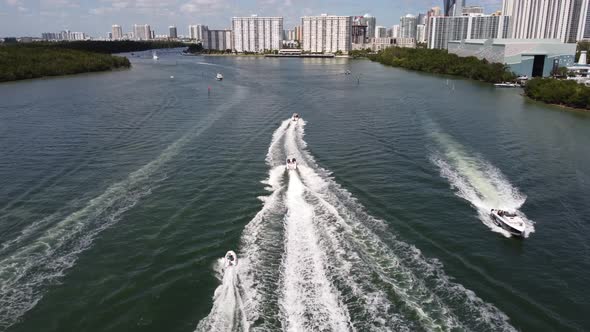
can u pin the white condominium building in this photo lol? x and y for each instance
(327, 33)
(217, 40)
(197, 31)
(546, 19)
(408, 25)
(117, 32)
(257, 34)
(442, 29)
(142, 32)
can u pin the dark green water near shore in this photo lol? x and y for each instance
(120, 191)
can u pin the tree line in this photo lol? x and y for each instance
(441, 62)
(25, 61)
(560, 92)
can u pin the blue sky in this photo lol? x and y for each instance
(31, 17)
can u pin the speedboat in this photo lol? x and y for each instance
(347, 72)
(291, 164)
(219, 77)
(507, 85)
(295, 117)
(155, 56)
(231, 259)
(509, 221)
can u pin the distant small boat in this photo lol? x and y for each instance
(219, 77)
(291, 164)
(230, 259)
(347, 72)
(155, 56)
(507, 85)
(295, 117)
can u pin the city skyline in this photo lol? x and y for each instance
(31, 18)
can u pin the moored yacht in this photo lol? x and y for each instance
(507, 85)
(509, 221)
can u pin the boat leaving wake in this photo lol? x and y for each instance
(313, 260)
(478, 182)
(47, 248)
(227, 312)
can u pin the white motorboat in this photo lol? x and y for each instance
(231, 259)
(155, 56)
(295, 117)
(507, 85)
(219, 77)
(291, 164)
(509, 221)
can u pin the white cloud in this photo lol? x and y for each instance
(14, 3)
(204, 6)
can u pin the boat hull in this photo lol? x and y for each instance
(500, 223)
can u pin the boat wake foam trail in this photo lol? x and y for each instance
(227, 313)
(36, 259)
(309, 300)
(313, 259)
(478, 182)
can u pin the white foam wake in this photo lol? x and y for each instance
(33, 261)
(384, 283)
(227, 313)
(478, 182)
(309, 301)
(314, 253)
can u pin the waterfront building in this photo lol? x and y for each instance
(530, 57)
(443, 29)
(395, 31)
(327, 33)
(116, 32)
(220, 40)
(584, 25)
(358, 33)
(580, 70)
(421, 19)
(421, 33)
(434, 11)
(468, 10)
(142, 32)
(378, 44)
(50, 36)
(370, 22)
(298, 33)
(380, 32)
(453, 7)
(257, 34)
(173, 33)
(408, 25)
(546, 19)
(197, 31)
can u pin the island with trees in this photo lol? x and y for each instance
(34, 60)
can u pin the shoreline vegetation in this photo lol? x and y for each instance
(36, 60)
(440, 62)
(551, 91)
(566, 93)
